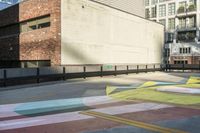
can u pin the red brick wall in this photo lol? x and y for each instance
(190, 59)
(42, 44)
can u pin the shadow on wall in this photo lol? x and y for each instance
(76, 55)
(9, 36)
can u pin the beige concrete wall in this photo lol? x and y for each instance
(95, 34)
(136, 7)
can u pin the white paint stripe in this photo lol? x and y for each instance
(90, 101)
(9, 110)
(73, 116)
(20, 123)
(179, 90)
(8, 107)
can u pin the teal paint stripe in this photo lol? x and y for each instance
(49, 106)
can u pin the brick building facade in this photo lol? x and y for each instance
(34, 45)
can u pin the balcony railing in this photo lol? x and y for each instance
(186, 36)
(182, 67)
(187, 27)
(182, 9)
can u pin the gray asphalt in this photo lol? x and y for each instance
(122, 129)
(190, 125)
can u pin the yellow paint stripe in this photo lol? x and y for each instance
(147, 84)
(110, 89)
(132, 122)
(193, 80)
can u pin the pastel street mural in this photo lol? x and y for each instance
(153, 106)
(184, 93)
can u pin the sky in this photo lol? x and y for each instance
(4, 3)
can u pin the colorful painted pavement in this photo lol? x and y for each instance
(151, 107)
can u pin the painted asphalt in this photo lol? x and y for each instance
(122, 129)
(60, 107)
(190, 125)
(179, 90)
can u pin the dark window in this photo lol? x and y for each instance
(37, 23)
(170, 37)
(44, 25)
(147, 13)
(184, 50)
(189, 50)
(180, 50)
(186, 62)
(33, 27)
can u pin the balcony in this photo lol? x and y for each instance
(190, 27)
(181, 10)
(186, 36)
(192, 8)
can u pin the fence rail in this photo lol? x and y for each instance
(17, 76)
(181, 67)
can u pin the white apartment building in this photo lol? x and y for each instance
(182, 25)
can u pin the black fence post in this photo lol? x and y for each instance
(183, 67)
(164, 67)
(84, 72)
(199, 65)
(127, 70)
(146, 68)
(5, 78)
(101, 71)
(38, 75)
(115, 70)
(154, 67)
(64, 73)
(137, 69)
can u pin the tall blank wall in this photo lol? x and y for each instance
(96, 34)
(133, 6)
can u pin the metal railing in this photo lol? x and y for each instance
(181, 67)
(17, 76)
